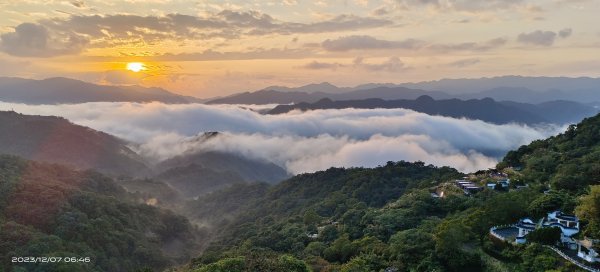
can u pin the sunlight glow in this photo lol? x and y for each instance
(135, 66)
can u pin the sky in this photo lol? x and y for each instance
(215, 48)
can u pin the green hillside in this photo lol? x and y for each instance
(53, 211)
(385, 218)
(569, 161)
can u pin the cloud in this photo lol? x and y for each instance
(544, 38)
(316, 65)
(464, 62)
(258, 53)
(62, 36)
(304, 154)
(364, 42)
(344, 22)
(565, 33)
(469, 46)
(34, 40)
(538, 37)
(358, 42)
(78, 3)
(342, 44)
(381, 11)
(463, 5)
(392, 64)
(302, 142)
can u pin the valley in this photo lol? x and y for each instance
(230, 199)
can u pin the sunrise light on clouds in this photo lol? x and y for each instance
(215, 48)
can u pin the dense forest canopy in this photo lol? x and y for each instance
(568, 161)
(51, 210)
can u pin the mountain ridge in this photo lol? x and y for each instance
(56, 140)
(279, 97)
(61, 90)
(510, 88)
(485, 109)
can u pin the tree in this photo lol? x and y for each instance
(229, 264)
(411, 246)
(311, 217)
(289, 263)
(315, 248)
(589, 210)
(450, 238)
(357, 264)
(547, 203)
(537, 258)
(329, 233)
(341, 250)
(546, 236)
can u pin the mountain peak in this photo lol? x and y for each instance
(425, 98)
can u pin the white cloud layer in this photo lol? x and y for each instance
(302, 142)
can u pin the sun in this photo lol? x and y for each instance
(135, 66)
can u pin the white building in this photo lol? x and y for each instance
(467, 186)
(568, 224)
(525, 226)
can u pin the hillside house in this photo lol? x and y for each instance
(504, 183)
(468, 187)
(568, 224)
(525, 226)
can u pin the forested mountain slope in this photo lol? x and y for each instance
(386, 218)
(56, 140)
(49, 210)
(569, 161)
(198, 173)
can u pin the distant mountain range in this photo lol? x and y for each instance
(536, 84)
(525, 95)
(288, 97)
(508, 88)
(61, 90)
(485, 109)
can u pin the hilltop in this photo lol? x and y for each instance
(56, 140)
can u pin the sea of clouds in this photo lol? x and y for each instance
(301, 141)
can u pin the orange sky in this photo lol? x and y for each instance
(215, 48)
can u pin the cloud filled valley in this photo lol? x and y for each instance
(301, 142)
